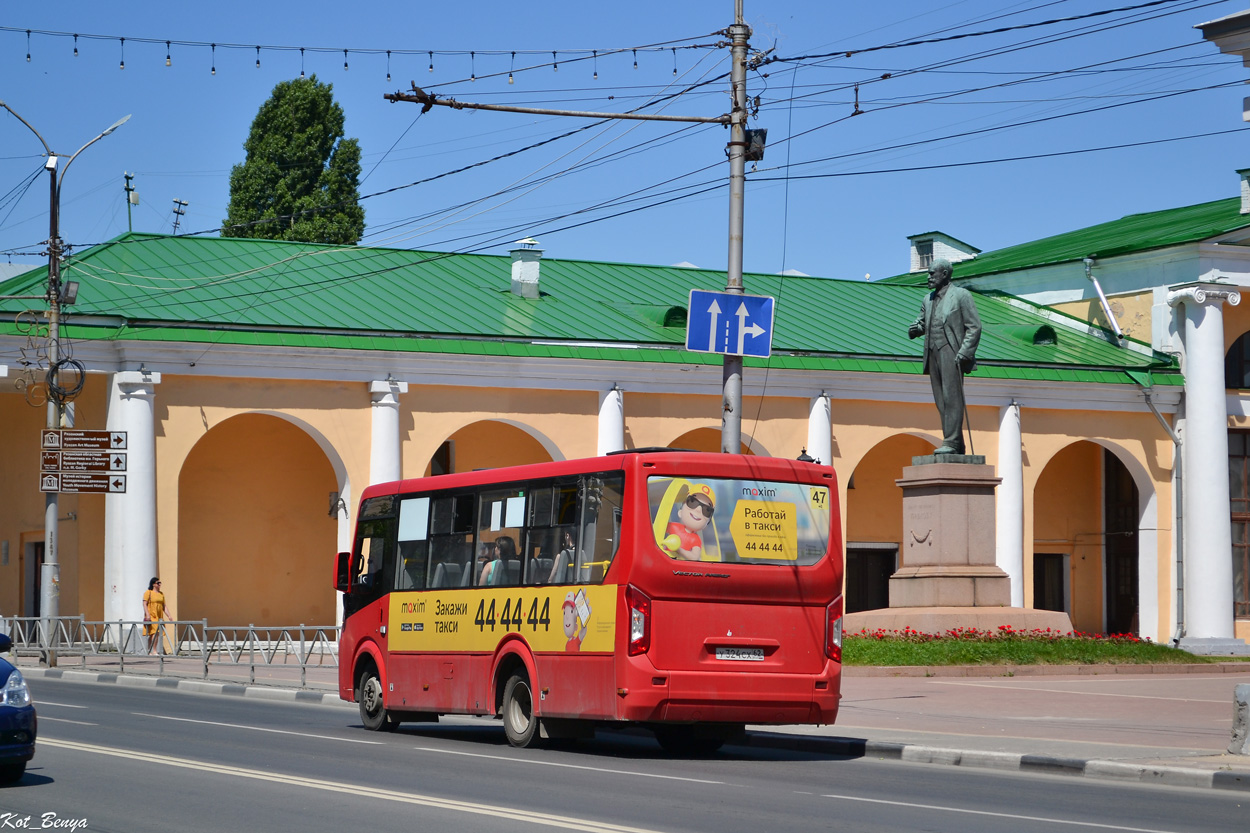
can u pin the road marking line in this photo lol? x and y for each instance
(44, 717)
(1081, 693)
(358, 790)
(998, 815)
(566, 766)
(43, 703)
(257, 728)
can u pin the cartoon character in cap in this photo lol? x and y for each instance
(684, 538)
(571, 617)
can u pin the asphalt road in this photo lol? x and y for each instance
(115, 758)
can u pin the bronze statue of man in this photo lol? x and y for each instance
(951, 329)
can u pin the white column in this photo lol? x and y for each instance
(611, 421)
(1009, 507)
(384, 451)
(1207, 529)
(820, 430)
(130, 517)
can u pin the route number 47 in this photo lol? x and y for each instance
(820, 498)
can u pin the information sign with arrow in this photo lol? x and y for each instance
(725, 322)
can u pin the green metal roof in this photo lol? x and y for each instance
(144, 287)
(1134, 233)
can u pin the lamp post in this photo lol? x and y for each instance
(50, 572)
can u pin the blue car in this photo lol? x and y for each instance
(18, 723)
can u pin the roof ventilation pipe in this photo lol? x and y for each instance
(526, 257)
(1106, 308)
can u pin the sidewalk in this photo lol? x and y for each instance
(1153, 724)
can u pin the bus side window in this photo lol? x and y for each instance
(602, 497)
(413, 560)
(373, 568)
(414, 547)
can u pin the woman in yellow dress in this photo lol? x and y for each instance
(153, 611)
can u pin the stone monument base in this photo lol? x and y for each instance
(948, 536)
(942, 619)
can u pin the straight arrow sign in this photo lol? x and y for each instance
(714, 311)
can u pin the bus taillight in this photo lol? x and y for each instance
(639, 620)
(833, 630)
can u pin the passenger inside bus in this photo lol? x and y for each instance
(505, 562)
(562, 569)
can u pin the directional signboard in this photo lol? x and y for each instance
(723, 322)
(76, 460)
(82, 481)
(80, 439)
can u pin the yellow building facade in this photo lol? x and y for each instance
(250, 441)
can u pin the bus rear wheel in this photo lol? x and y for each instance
(519, 723)
(369, 695)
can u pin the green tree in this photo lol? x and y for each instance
(299, 180)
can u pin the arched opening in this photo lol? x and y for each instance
(254, 532)
(874, 521)
(1087, 547)
(703, 439)
(488, 444)
(1237, 364)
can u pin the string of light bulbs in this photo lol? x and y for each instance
(428, 56)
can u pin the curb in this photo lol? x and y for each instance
(842, 747)
(1047, 764)
(258, 692)
(1042, 670)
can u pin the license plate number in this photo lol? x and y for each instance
(742, 654)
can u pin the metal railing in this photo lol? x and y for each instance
(181, 642)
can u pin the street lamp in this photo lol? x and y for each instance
(50, 573)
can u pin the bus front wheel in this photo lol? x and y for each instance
(519, 723)
(372, 713)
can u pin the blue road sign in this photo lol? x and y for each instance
(722, 322)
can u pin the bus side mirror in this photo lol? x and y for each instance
(343, 572)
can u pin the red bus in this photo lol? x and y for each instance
(688, 592)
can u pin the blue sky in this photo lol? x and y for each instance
(830, 198)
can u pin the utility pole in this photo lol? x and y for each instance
(731, 417)
(740, 33)
(132, 198)
(50, 573)
(180, 208)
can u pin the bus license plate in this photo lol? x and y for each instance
(748, 654)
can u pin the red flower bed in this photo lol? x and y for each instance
(1002, 632)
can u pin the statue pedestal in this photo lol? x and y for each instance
(948, 535)
(949, 579)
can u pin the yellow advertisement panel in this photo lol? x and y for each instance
(765, 529)
(550, 618)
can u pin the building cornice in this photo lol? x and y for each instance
(175, 359)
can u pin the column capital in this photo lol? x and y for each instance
(1204, 292)
(387, 391)
(132, 382)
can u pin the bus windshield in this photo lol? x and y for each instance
(739, 521)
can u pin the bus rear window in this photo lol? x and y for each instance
(739, 521)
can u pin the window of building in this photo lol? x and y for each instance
(924, 252)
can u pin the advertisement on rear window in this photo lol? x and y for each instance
(570, 620)
(739, 521)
